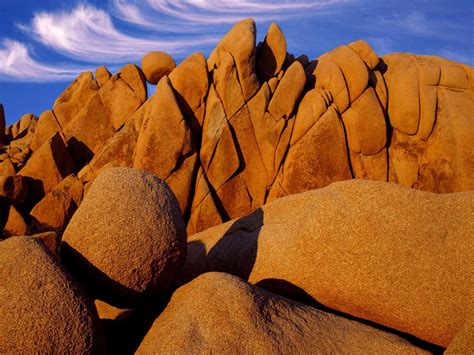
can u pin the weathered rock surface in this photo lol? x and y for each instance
(165, 145)
(42, 308)
(102, 74)
(47, 126)
(430, 106)
(219, 313)
(463, 342)
(123, 94)
(90, 129)
(232, 133)
(6, 167)
(13, 189)
(50, 240)
(157, 64)
(191, 90)
(117, 152)
(271, 54)
(378, 251)
(45, 169)
(254, 123)
(127, 240)
(21, 127)
(55, 210)
(74, 98)
(15, 224)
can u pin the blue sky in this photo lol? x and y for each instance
(45, 44)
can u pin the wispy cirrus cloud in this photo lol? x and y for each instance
(16, 63)
(189, 15)
(454, 55)
(88, 34)
(123, 31)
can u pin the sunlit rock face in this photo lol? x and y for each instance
(252, 123)
(342, 183)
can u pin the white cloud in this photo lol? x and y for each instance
(187, 15)
(87, 33)
(17, 63)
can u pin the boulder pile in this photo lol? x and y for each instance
(257, 202)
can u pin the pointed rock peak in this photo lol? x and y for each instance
(240, 42)
(197, 57)
(135, 79)
(102, 74)
(164, 85)
(288, 92)
(272, 53)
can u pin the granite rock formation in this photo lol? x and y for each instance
(374, 250)
(252, 123)
(216, 311)
(42, 309)
(127, 240)
(237, 136)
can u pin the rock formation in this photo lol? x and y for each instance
(252, 124)
(156, 65)
(230, 134)
(215, 312)
(127, 240)
(378, 251)
(42, 308)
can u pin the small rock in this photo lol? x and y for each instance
(157, 64)
(16, 224)
(50, 240)
(13, 188)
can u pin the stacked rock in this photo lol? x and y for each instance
(108, 183)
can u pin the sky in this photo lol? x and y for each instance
(45, 44)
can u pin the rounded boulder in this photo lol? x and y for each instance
(42, 310)
(157, 64)
(127, 240)
(219, 313)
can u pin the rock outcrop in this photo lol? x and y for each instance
(252, 123)
(430, 107)
(219, 313)
(127, 240)
(42, 308)
(55, 210)
(374, 250)
(227, 135)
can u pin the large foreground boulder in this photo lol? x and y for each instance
(42, 310)
(219, 313)
(378, 251)
(127, 240)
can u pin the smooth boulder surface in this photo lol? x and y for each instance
(157, 64)
(219, 313)
(378, 251)
(42, 310)
(127, 240)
